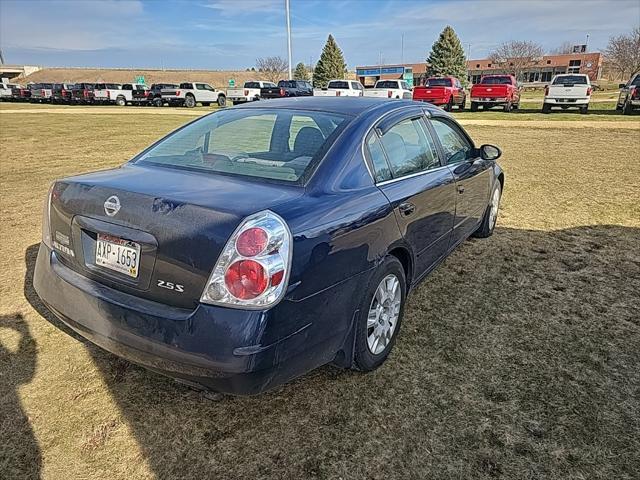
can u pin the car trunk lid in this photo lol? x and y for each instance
(177, 221)
(429, 93)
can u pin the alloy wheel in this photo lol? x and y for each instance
(383, 314)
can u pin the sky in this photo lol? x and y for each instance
(231, 34)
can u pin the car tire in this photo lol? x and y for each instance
(584, 110)
(507, 107)
(121, 102)
(627, 109)
(376, 333)
(449, 105)
(474, 107)
(546, 108)
(462, 105)
(491, 213)
(222, 101)
(189, 101)
(157, 102)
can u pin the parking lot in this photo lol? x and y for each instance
(523, 362)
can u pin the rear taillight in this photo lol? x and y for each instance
(282, 92)
(246, 93)
(42, 92)
(635, 93)
(63, 92)
(338, 93)
(589, 90)
(389, 93)
(177, 93)
(546, 90)
(108, 94)
(253, 269)
(46, 219)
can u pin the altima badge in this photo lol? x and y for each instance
(112, 205)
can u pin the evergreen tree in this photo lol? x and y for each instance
(447, 56)
(301, 72)
(331, 64)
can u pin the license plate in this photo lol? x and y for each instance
(118, 254)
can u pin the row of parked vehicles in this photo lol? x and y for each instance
(503, 91)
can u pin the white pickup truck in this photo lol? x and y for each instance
(249, 93)
(390, 89)
(5, 90)
(189, 94)
(340, 88)
(108, 92)
(567, 90)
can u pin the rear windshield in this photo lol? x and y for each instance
(251, 85)
(339, 85)
(571, 80)
(496, 81)
(277, 144)
(388, 84)
(438, 82)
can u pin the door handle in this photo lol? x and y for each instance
(407, 208)
(460, 189)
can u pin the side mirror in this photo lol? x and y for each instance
(622, 85)
(490, 152)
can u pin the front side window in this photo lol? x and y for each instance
(251, 142)
(455, 145)
(409, 148)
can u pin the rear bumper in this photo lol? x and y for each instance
(567, 101)
(490, 100)
(433, 101)
(228, 350)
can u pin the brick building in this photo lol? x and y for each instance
(543, 69)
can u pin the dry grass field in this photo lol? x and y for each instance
(519, 357)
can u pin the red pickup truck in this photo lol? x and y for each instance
(446, 91)
(495, 90)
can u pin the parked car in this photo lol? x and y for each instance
(390, 89)
(41, 92)
(629, 98)
(5, 90)
(287, 88)
(192, 93)
(139, 93)
(155, 93)
(340, 88)
(249, 92)
(567, 90)
(265, 240)
(82, 93)
(61, 92)
(496, 90)
(442, 91)
(20, 93)
(107, 92)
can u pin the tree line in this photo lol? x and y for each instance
(447, 58)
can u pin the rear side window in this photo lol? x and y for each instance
(378, 161)
(455, 145)
(186, 86)
(251, 85)
(438, 82)
(409, 148)
(387, 84)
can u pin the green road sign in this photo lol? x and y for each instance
(232, 82)
(140, 80)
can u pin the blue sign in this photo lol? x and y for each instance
(374, 72)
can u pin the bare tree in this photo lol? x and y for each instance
(563, 49)
(515, 56)
(272, 68)
(623, 53)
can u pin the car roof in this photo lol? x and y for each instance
(353, 106)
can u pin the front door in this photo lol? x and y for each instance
(471, 173)
(420, 190)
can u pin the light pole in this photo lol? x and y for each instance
(286, 3)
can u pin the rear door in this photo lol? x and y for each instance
(471, 173)
(407, 169)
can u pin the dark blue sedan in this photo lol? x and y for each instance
(260, 242)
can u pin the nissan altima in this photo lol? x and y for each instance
(259, 242)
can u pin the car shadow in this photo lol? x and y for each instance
(20, 455)
(518, 357)
(572, 110)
